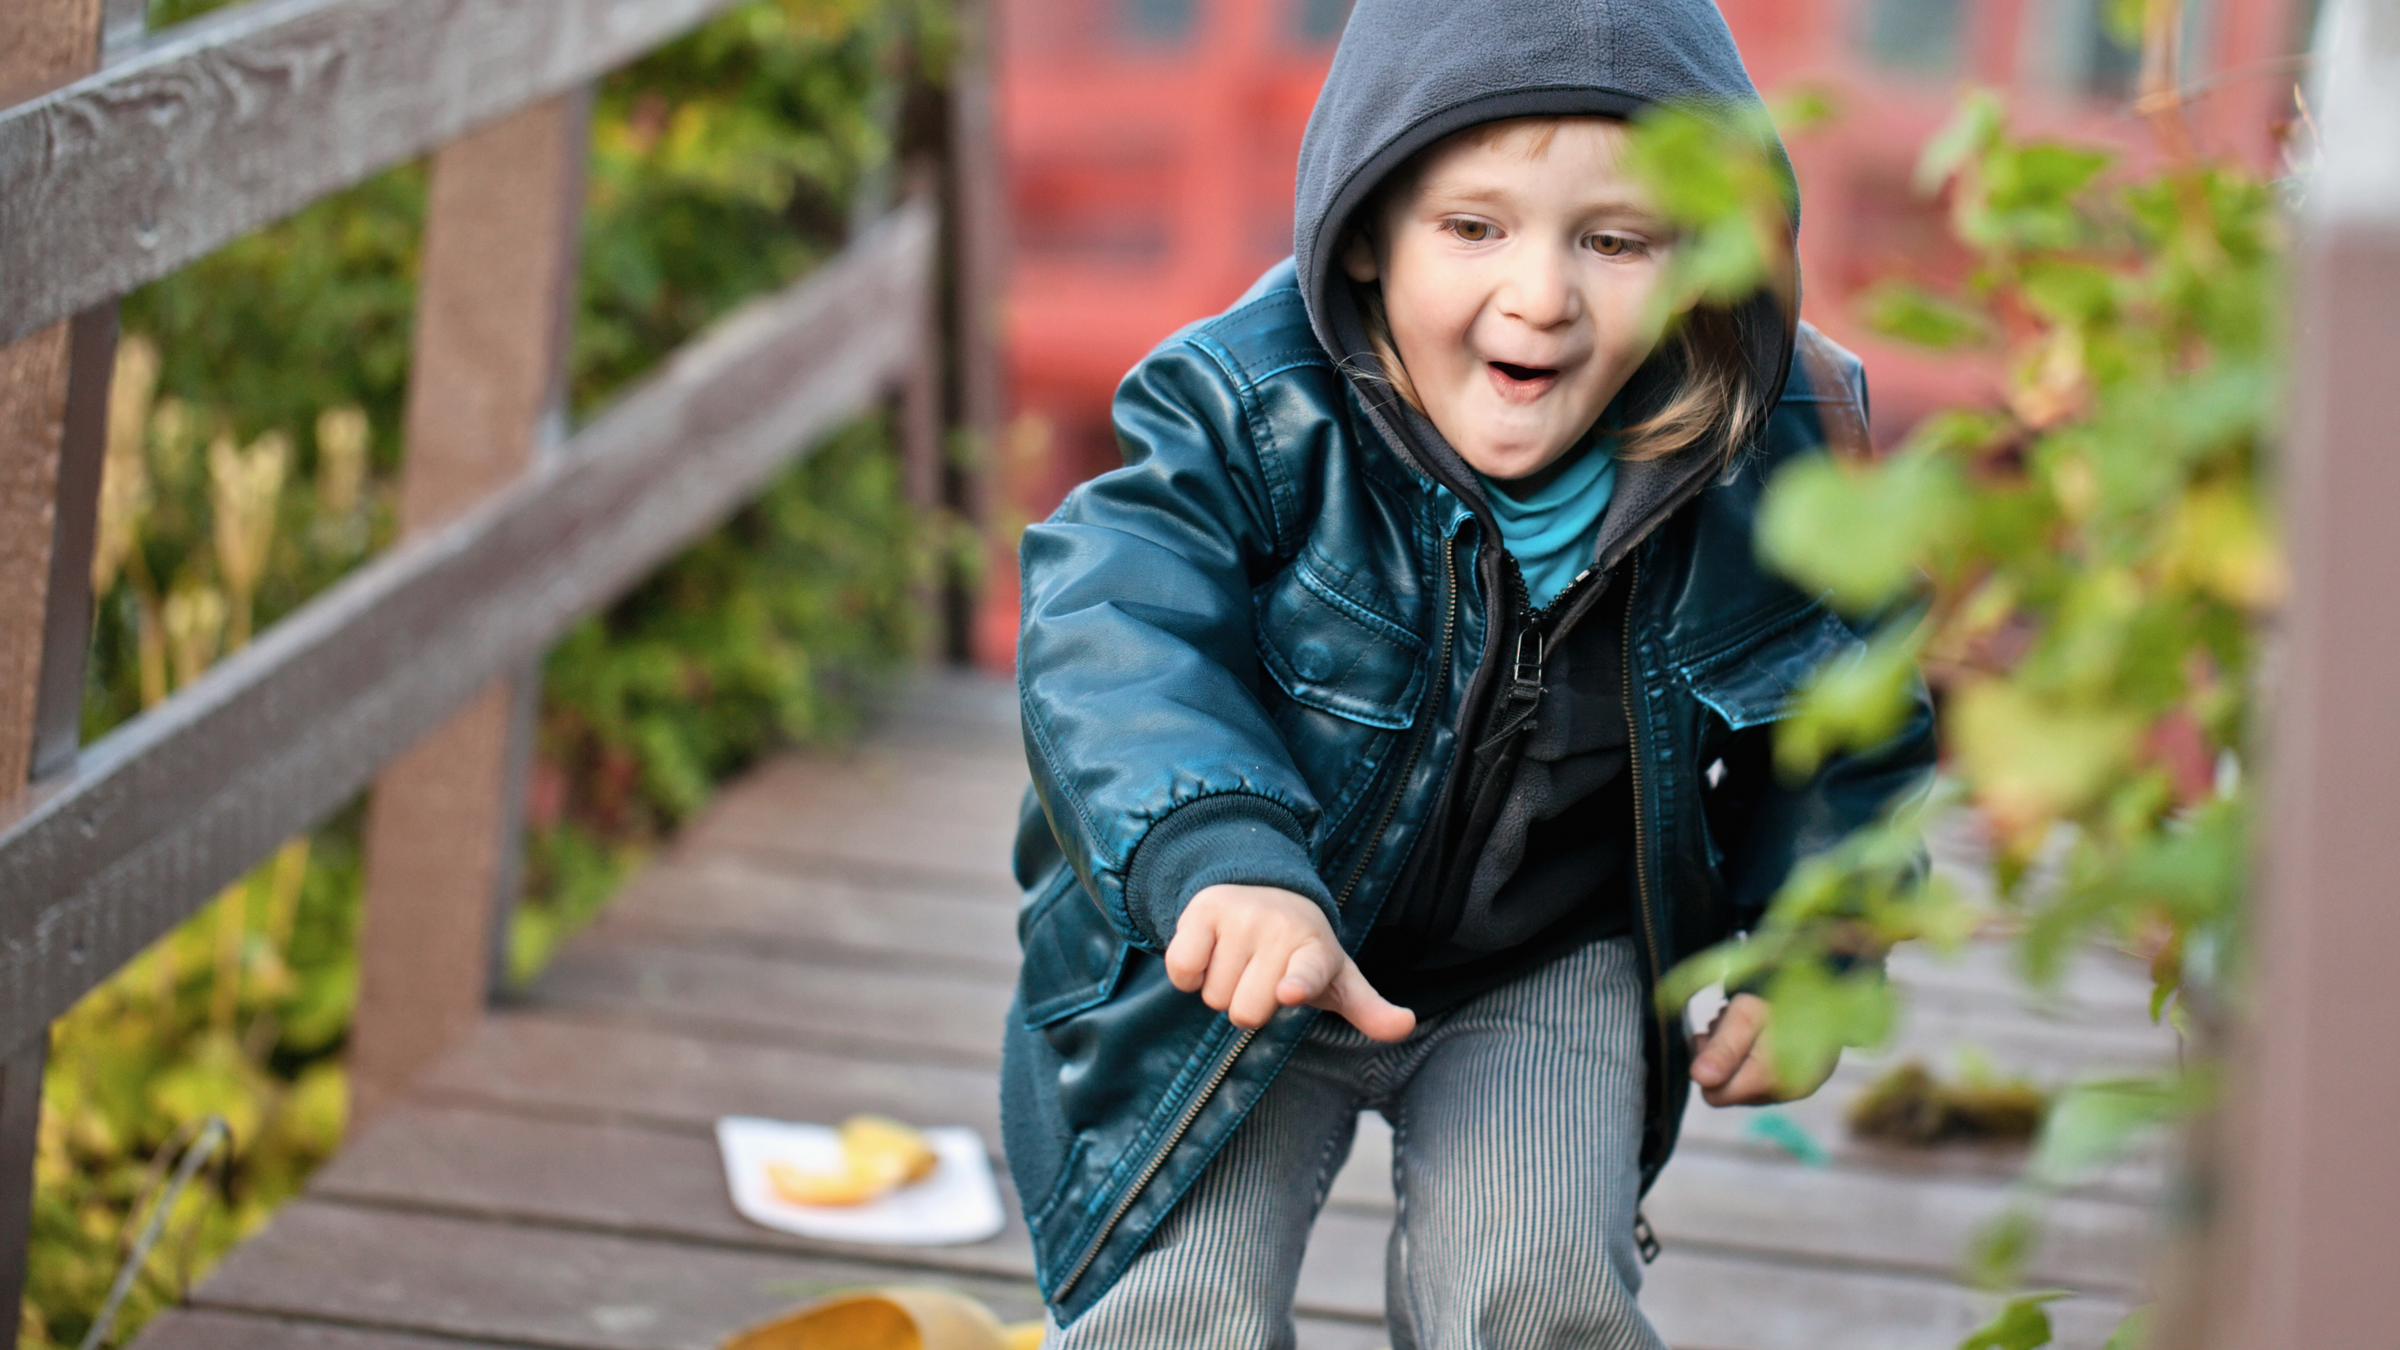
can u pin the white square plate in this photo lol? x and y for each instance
(958, 1203)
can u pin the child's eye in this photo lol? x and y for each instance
(1471, 231)
(1614, 245)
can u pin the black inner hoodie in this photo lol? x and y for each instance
(1526, 861)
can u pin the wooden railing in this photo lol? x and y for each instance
(133, 156)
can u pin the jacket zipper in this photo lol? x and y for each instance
(1183, 1123)
(1641, 830)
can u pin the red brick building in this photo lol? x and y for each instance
(1148, 150)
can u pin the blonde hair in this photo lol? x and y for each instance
(1698, 386)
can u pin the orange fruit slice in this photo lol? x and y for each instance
(879, 1156)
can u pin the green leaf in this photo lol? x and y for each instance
(2033, 758)
(1857, 532)
(1853, 703)
(1971, 131)
(1817, 1013)
(2067, 291)
(2021, 1324)
(1911, 313)
(1997, 1252)
(2124, 21)
(2091, 1124)
(2134, 1332)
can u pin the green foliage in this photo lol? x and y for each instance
(1916, 315)
(2021, 1324)
(2134, 1332)
(2094, 1122)
(253, 445)
(1728, 196)
(781, 628)
(727, 163)
(240, 1013)
(2080, 571)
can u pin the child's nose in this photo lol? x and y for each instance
(1539, 289)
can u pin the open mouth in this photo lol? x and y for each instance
(1523, 374)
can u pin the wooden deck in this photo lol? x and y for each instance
(836, 936)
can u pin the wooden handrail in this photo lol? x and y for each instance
(237, 119)
(166, 809)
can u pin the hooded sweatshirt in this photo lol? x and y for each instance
(1531, 853)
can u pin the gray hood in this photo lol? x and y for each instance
(1409, 72)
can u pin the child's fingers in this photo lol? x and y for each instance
(1308, 974)
(1187, 955)
(1254, 997)
(1726, 1045)
(1752, 1084)
(1376, 1017)
(1228, 957)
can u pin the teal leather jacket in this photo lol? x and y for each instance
(1245, 656)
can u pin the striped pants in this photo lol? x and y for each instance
(1516, 1132)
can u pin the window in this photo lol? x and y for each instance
(2076, 46)
(1919, 36)
(1162, 23)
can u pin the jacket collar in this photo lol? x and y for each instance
(1647, 491)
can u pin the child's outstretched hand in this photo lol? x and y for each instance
(1250, 950)
(1731, 1064)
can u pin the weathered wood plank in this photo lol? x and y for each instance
(594, 1071)
(1705, 1299)
(171, 806)
(1924, 1224)
(565, 1293)
(210, 1329)
(954, 1017)
(504, 1168)
(903, 809)
(241, 117)
(49, 483)
(487, 375)
(459, 1277)
(33, 414)
(743, 901)
(613, 1178)
(1918, 1220)
(66, 640)
(1825, 1119)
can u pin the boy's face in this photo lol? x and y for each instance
(1518, 278)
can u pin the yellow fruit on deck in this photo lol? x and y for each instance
(821, 1188)
(879, 1156)
(884, 1147)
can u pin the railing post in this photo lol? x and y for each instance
(2299, 1249)
(486, 392)
(975, 247)
(53, 410)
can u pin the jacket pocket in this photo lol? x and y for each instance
(1334, 654)
(1073, 958)
(1756, 680)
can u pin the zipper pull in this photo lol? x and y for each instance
(1528, 681)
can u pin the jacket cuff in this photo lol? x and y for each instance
(1231, 838)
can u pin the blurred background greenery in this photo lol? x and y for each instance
(253, 442)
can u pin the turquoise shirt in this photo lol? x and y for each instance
(1551, 532)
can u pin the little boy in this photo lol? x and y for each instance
(1416, 668)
